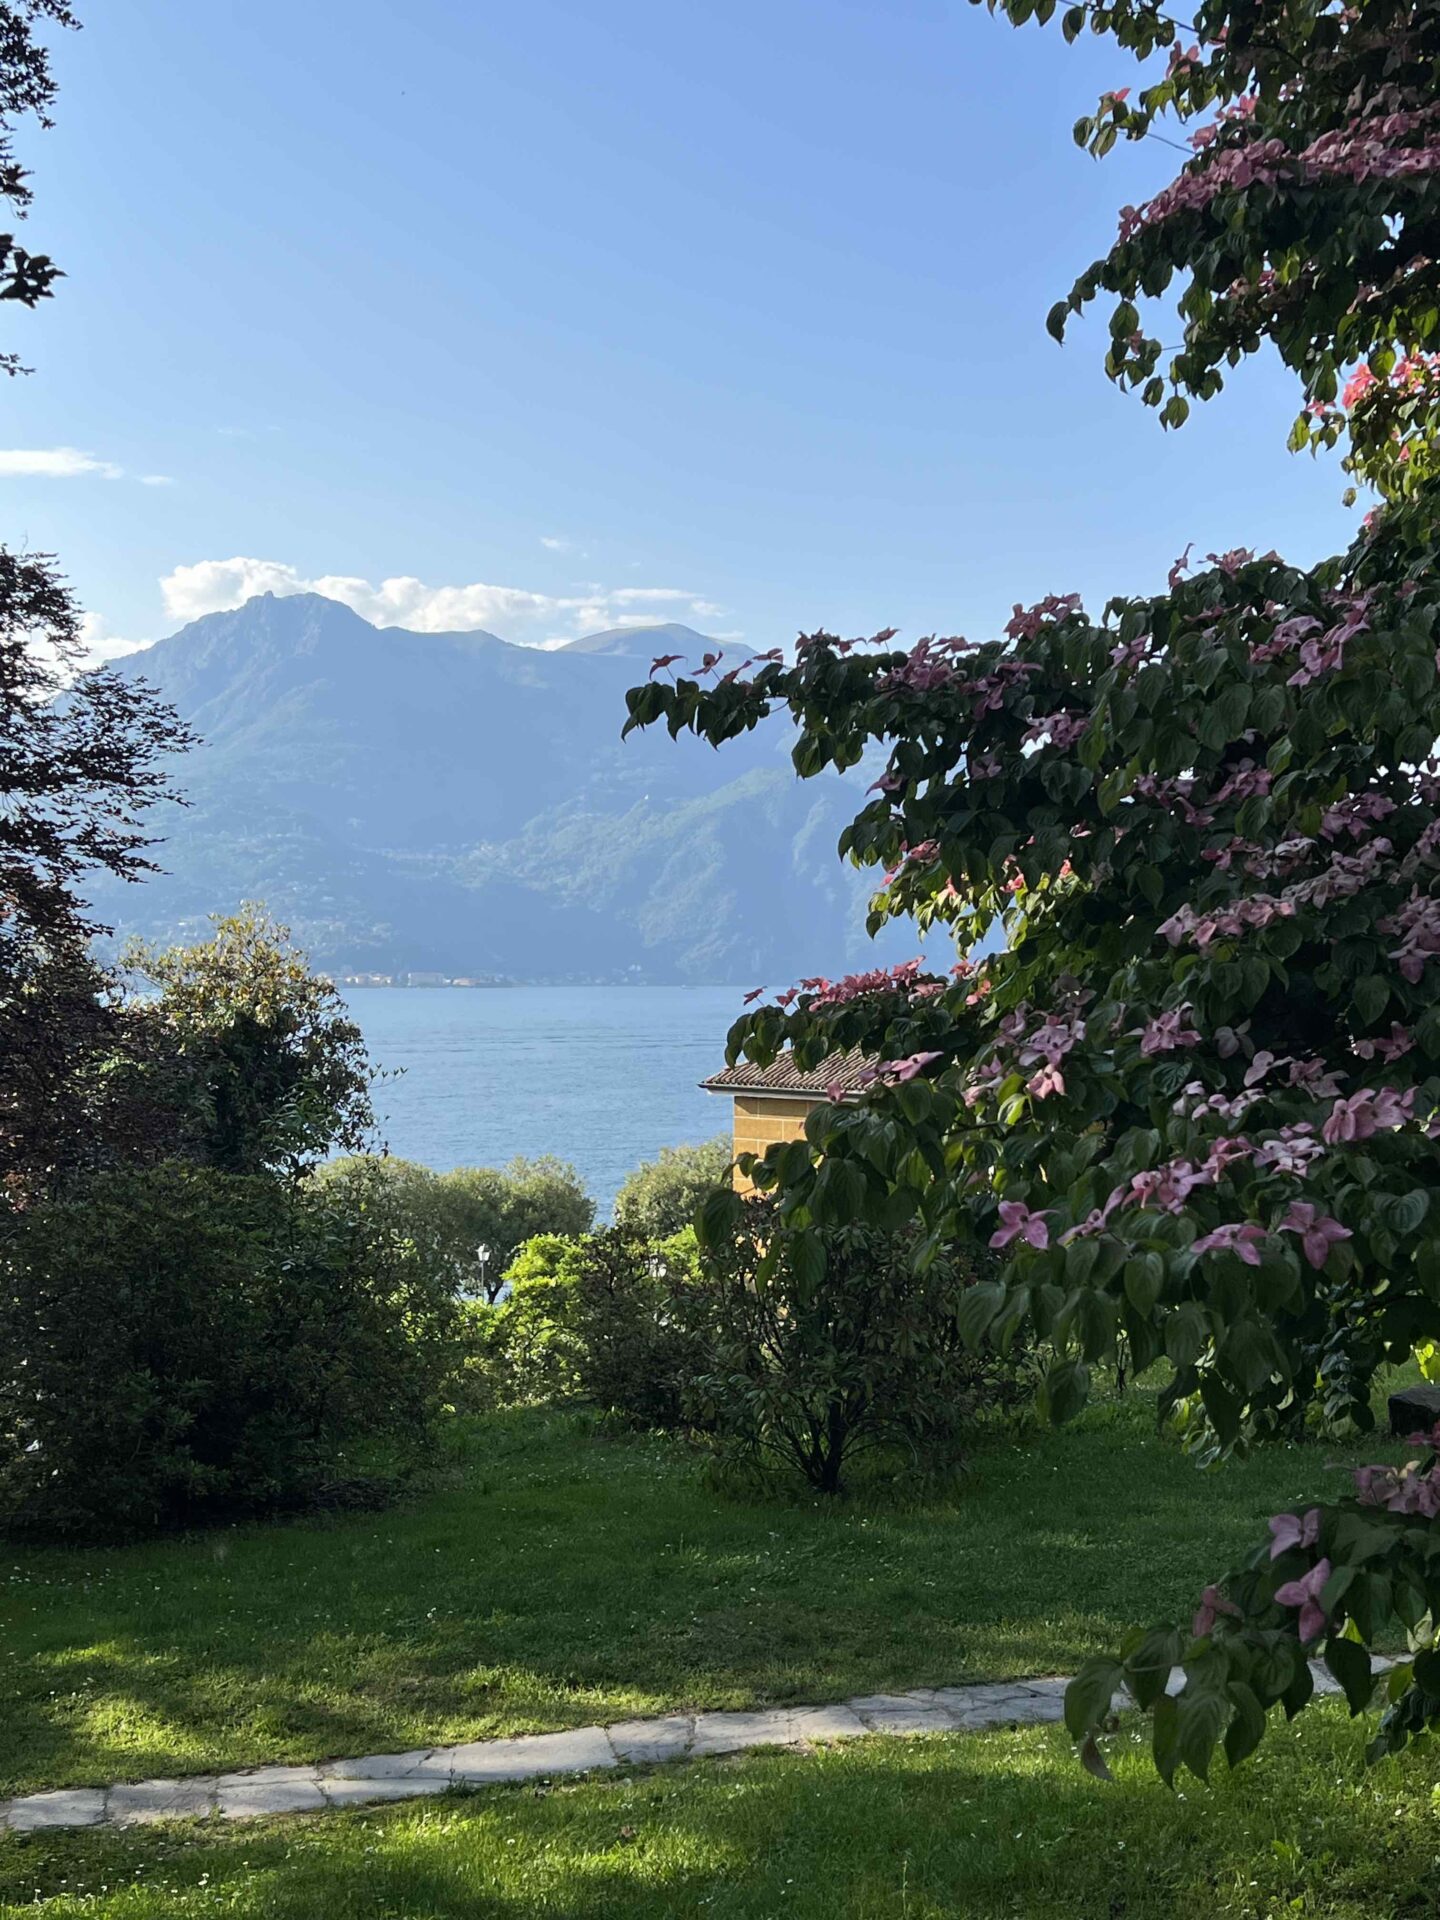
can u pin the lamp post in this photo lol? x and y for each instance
(482, 1256)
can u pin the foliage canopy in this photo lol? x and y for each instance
(1193, 1097)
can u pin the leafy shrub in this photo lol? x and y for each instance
(603, 1317)
(660, 1197)
(521, 1351)
(179, 1344)
(823, 1345)
(636, 1309)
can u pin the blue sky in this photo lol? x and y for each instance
(545, 312)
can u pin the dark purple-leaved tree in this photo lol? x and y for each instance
(1184, 1076)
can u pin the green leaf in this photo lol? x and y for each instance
(1350, 1664)
(718, 1217)
(1144, 1280)
(1149, 1661)
(1427, 1672)
(1371, 996)
(1247, 1727)
(978, 1307)
(807, 1261)
(1089, 1694)
(1063, 1391)
(1165, 1740)
(1201, 1717)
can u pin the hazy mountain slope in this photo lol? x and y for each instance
(637, 643)
(451, 802)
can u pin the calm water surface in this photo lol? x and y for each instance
(601, 1076)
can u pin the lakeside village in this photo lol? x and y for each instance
(412, 979)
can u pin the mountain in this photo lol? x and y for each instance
(642, 643)
(449, 802)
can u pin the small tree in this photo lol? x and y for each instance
(255, 1055)
(821, 1347)
(662, 1196)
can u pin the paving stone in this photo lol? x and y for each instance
(901, 1713)
(261, 1790)
(421, 1763)
(825, 1723)
(66, 1807)
(137, 1803)
(403, 1776)
(985, 1705)
(576, 1751)
(1052, 1686)
(646, 1742)
(732, 1732)
(344, 1791)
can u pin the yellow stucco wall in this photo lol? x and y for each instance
(759, 1123)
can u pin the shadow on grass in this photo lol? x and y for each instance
(555, 1578)
(966, 1826)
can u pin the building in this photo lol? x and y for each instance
(770, 1103)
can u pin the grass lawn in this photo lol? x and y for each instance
(556, 1576)
(972, 1826)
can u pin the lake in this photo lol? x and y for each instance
(601, 1076)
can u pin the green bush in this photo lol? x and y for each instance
(660, 1197)
(636, 1311)
(602, 1317)
(179, 1345)
(822, 1346)
(497, 1208)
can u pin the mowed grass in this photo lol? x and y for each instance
(556, 1576)
(970, 1827)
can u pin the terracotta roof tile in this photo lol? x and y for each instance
(845, 1070)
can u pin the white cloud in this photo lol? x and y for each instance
(67, 463)
(554, 542)
(516, 613)
(99, 645)
(54, 463)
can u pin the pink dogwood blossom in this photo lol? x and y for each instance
(1240, 1238)
(1304, 1593)
(1212, 1604)
(1019, 1223)
(1287, 1530)
(1317, 1231)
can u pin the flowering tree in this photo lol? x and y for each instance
(1184, 1074)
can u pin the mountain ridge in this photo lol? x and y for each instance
(458, 803)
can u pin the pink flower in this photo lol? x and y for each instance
(751, 998)
(1166, 1032)
(908, 1068)
(1241, 1239)
(1317, 1231)
(1304, 1593)
(1288, 1532)
(1212, 1604)
(1019, 1223)
(1366, 1112)
(1045, 1081)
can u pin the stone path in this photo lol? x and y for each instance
(676, 1736)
